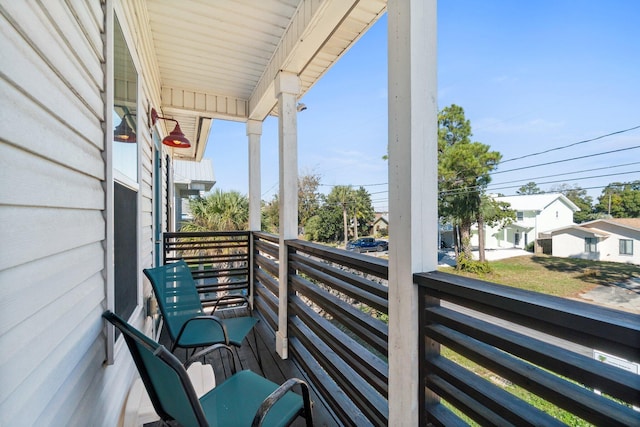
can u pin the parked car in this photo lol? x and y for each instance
(367, 244)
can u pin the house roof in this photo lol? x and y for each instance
(536, 202)
(189, 173)
(630, 223)
(219, 59)
(580, 228)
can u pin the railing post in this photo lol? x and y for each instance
(287, 88)
(413, 188)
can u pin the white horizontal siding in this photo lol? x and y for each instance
(52, 201)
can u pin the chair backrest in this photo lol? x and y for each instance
(164, 377)
(177, 294)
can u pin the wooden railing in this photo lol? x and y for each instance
(219, 261)
(337, 332)
(539, 343)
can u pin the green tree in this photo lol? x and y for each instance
(308, 197)
(620, 200)
(463, 173)
(219, 211)
(580, 198)
(530, 188)
(271, 215)
(362, 211)
(343, 197)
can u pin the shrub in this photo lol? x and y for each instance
(472, 266)
(530, 247)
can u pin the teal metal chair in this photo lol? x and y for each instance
(243, 399)
(187, 323)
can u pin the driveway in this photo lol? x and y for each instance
(621, 296)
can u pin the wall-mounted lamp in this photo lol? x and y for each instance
(176, 138)
(123, 132)
(301, 107)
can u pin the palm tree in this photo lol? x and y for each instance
(220, 211)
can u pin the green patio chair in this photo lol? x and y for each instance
(187, 323)
(243, 399)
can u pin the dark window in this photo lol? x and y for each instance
(626, 247)
(519, 215)
(590, 244)
(125, 250)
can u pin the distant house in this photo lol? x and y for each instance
(535, 213)
(190, 179)
(615, 240)
(380, 225)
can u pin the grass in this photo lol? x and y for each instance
(563, 277)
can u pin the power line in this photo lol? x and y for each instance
(571, 145)
(566, 160)
(564, 173)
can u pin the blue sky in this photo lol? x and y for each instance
(531, 77)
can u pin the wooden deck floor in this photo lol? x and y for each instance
(273, 367)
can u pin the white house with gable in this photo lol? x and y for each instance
(615, 240)
(535, 213)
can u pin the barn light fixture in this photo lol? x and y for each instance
(176, 138)
(123, 132)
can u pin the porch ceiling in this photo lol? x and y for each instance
(217, 59)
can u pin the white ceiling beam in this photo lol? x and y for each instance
(313, 23)
(205, 104)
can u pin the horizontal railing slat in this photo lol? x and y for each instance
(472, 408)
(578, 400)
(309, 268)
(608, 330)
(586, 370)
(472, 388)
(369, 366)
(371, 403)
(371, 330)
(362, 263)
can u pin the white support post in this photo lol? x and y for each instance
(413, 189)
(287, 88)
(254, 132)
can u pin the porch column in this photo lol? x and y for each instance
(287, 88)
(413, 189)
(254, 132)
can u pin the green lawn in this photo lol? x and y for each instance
(564, 277)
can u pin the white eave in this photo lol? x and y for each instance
(218, 59)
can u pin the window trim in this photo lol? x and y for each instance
(590, 242)
(620, 247)
(113, 346)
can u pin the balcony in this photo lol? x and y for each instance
(338, 339)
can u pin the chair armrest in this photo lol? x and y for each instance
(201, 318)
(208, 350)
(271, 400)
(224, 297)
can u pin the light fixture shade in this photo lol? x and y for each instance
(176, 138)
(124, 133)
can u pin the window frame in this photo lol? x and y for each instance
(589, 243)
(622, 250)
(114, 343)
